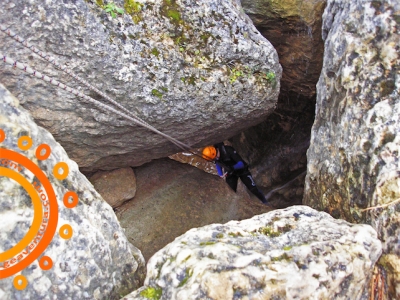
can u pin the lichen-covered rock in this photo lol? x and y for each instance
(296, 253)
(115, 186)
(294, 28)
(276, 149)
(97, 262)
(188, 68)
(353, 159)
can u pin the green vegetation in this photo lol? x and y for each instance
(151, 293)
(112, 9)
(242, 71)
(268, 231)
(235, 74)
(219, 236)
(155, 52)
(156, 93)
(270, 76)
(286, 248)
(134, 8)
(208, 243)
(188, 274)
(284, 256)
(189, 80)
(170, 9)
(233, 234)
(205, 36)
(174, 15)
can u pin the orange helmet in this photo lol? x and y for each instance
(209, 153)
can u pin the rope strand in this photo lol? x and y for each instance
(64, 69)
(77, 93)
(132, 116)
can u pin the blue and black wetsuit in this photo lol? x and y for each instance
(231, 162)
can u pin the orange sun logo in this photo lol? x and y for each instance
(45, 208)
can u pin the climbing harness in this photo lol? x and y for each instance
(125, 114)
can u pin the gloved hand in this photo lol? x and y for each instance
(224, 175)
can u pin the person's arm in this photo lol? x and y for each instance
(239, 163)
(219, 169)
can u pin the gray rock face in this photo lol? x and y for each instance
(187, 68)
(173, 197)
(353, 160)
(294, 28)
(277, 148)
(97, 262)
(115, 186)
(295, 253)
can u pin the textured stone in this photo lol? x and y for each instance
(294, 28)
(353, 159)
(115, 186)
(268, 174)
(188, 68)
(195, 159)
(97, 262)
(276, 148)
(173, 197)
(295, 253)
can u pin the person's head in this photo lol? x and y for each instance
(209, 153)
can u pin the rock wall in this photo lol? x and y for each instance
(295, 253)
(115, 186)
(353, 159)
(91, 258)
(173, 197)
(277, 147)
(294, 28)
(199, 71)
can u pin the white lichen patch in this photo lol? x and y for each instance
(97, 257)
(296, 253)
(357, 121)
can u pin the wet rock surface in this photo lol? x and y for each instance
(295, 253)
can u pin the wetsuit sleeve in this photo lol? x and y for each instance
(219, 170)
(239, 165)
(239, 162)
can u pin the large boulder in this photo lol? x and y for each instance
(198, 71)
(116, 186)
(295, 253)
(294, 28)
(277, 147)
(96, 262)
(353, 160)
(173, 197)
